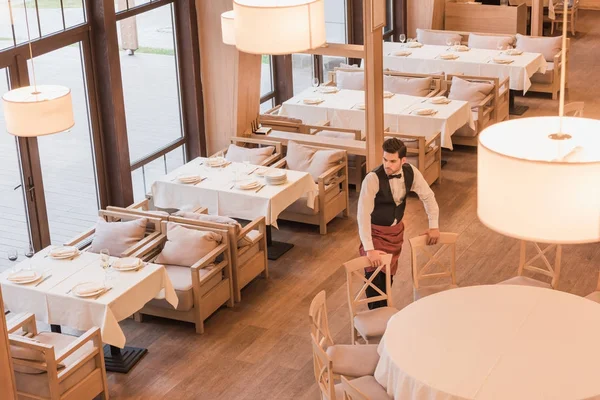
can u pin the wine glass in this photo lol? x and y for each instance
(315, 84)
(402, 38)
(104, 258)
(449, 43)
(13, 255)
(29, 252)
(500, 46)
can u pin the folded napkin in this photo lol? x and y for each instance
(448, 56)
(461, 47)
(21, 276)
(313, 100)
(328, 89)
(439, 100)
(414, 45)
(126, 263)
(498, 60)
(247, 184)
(88, 288)
(189, 178)
(424, 111)
(216, 161)
(360, 106)
(513, 52)
(387, 95)
(403, 53)
(63, 251)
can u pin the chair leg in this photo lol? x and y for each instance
(138, 317)
(552, 28)
(200, 327)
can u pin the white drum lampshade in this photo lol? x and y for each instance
(36, 113)
(228, 28)
(535, 186)
(279, 26)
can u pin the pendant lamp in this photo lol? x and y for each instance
(37, 110)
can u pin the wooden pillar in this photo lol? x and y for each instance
(110, 98)
(283, 78)
(399, 18)
(537, 17)
(374, 21)
(7, 376)
(247, 91)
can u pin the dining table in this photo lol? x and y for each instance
(492, 342)
(53, 301)
(345, 109)
(217, 191)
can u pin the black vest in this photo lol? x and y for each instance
(385, 210)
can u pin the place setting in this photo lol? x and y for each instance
(127, 264)
(502, 60)
(328, 89)
(217, 162)
(313, 100)
(63, 253)
(401, 53)
(448, 56)
(248, 184)
(387, 95)
(440, 100)
(190, 179)
(89, 290)
(423, 112)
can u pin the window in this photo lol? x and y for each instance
(267, 90)
(144, 176)
(335, 21)
(302, 71)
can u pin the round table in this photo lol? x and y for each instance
(493, 342)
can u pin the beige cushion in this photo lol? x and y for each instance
(37, 384)
(425, 291)
(279, 118)
(186, 246)
(300, 207)
(414, 160)
(526, 281)
(27, 354)
(594, 296)
(548, 46)
(368, 386)
(311, 160)
(117, 236)
(350, 80)
(439, 38)
(217, 219)
(491, 42)
(473, 92)
(250, 238)
(181, 278)
(255, 156)
(410, 86)
(353, 360)
(372, 323)
(547, 77)
(336, 135)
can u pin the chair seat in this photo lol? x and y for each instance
(368, 386)
(300, 207)
(37, 384)
(425, 291)
(525, 281)
(353, 360)
(181, 278)
(594, 296)
(372, 323)
(548, 77)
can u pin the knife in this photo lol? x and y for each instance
(103, 293)
(259, 189)
(43, 280)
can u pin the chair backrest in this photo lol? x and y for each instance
(351, 392)
(419, 245)
(116, 216)
(319, 325)
(574, 109)
(355, 270)
(493, 103)
(323, 369)
(547, 269)
(280, 122)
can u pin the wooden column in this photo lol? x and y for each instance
(247, 91)
(110, 98)
(537, 17)
(7, 376)
(283, 78)
(399, 18)
(374, 20)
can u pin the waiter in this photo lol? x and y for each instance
(381, 208)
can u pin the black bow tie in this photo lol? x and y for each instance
(397, 176)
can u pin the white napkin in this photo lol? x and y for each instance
(126, 263)
(448, 56)
(439, 100)
(216, 161)
(414, 45)
(499, 60)
(513, 52)
(403, 53)
(328, 89)
(313, 100)
(424, 111)
(461, 47)
(22, 276)
(360, 106)
(63, 251)
(387, 95)
(88, 288)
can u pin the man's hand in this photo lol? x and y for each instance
(432, 236)
(375, 257)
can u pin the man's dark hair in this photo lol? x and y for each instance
(393, 145)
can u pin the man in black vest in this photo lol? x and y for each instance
(381, 208)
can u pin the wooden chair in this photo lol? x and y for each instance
(56, 366)
(200, 293)
(574, 109)
(595, 295)
(425, 153)
(254, 143)
(145, 206)
(248, 248)
(84, 240)
(271, 119)
(364, 388)
(331, 200)
(550, 81)
(347, 360)
(421, 272)
(323, 370)
(492, 109)
(369, 324)
(572, 16)
(553, 272)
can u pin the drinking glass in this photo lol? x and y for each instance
(500, 46)
(13, 254)
(29, 252)
(449, 42)
(104, 258)
(457, 43)
(315, 84)
(402, 38)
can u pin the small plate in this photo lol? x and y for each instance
(448, 56)
(81, 286)
(387, 95)
(313, 100)
(502, 60)
(424, 111)
(247, 184)
(513, 52)
(402, 53)
(216, 162)
(36, 276)
(328, 89)
(127, 264)
(439, 100)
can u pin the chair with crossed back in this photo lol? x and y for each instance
(549, 270)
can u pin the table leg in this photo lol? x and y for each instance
(276, 249)
(55, 329)
(122, 360)
(514, 109)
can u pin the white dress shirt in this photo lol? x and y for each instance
(366, 202)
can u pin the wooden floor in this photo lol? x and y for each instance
(260, 349)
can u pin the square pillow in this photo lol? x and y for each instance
(26, 354)
(473, 92)
(437, 38)
(313, 161)
(117, 236)
(548, 46)
(185, 247)
(403, 85)
(350, 80)
(255, 156)
(336, 135)
(490, 42)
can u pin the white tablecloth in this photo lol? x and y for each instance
(340, 109)
(476, 62)
(493, 342)
(216, 192)
(51, 303)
